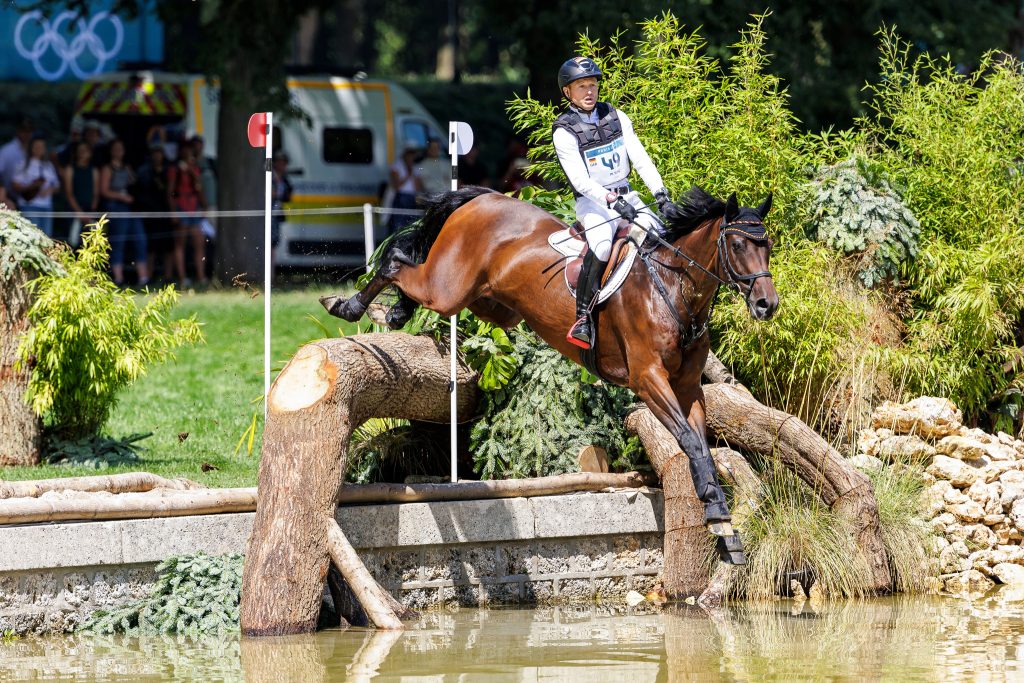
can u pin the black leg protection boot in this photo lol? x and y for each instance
(587, 288)
(716, 510)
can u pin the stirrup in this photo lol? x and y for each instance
(580, 341)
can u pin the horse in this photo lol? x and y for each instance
(478, 249)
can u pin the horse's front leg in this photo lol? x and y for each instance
(685, 421)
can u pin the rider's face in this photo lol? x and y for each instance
(582, 93)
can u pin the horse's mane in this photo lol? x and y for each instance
(416, 239)
(693, 208)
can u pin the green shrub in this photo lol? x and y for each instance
(856, 210)
(955, 143)
(536, 424)
(89, 340)
(194, 595)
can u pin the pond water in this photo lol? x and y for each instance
(904, 639)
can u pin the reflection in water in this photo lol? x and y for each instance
(913, 638)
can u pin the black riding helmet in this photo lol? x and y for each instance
(576, 68)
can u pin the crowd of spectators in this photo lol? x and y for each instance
(91, 174)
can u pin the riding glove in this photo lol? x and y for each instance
(661, 196)
(625, 209)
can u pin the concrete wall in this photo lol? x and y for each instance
(555, 549)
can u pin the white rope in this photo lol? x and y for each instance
(240, 213)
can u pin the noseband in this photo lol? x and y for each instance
(755, 232)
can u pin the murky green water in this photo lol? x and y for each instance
(900, 639)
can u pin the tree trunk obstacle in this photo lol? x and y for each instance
(332, 386)
(20, 428)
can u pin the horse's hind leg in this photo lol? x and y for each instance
(353, 308)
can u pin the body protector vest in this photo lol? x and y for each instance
(602, 146)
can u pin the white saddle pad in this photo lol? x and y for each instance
(570, 247)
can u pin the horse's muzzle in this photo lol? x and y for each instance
(764, 307)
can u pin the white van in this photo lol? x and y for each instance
(357, 130)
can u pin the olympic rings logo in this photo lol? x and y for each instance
(86, 39)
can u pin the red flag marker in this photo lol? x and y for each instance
(258, 129)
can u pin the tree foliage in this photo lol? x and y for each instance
(194, 595)
(855, 210)
(536, 424)
(955, 143)
(88, 340)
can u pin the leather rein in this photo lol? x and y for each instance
(688, 334)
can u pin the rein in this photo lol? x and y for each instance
(735, 279)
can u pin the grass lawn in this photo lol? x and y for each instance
(211, 391)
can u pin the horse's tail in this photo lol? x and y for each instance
(416, 240)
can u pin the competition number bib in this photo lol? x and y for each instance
(607, 164)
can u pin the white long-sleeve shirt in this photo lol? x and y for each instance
(568, 150)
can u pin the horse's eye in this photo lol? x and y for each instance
(739, 245)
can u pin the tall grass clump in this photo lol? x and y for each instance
(907, 538)
(793, 533)
(956, 144)
(89, 340)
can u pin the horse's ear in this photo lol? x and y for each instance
(732, 208)
(765, 207)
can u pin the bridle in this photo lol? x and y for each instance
(688, 334)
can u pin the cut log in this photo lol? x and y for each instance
(127, 482)
(368, 592)
(92, 506)
(686, 537)
(328, 389)
(87, 497)
(592, 459)
(20, 428)
(360, 494)
(734, 416)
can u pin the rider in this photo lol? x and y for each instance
(596, 147)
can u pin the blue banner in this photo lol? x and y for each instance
(64, 46)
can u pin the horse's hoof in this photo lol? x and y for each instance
(397, 318)
(730, 549)
(346, 309)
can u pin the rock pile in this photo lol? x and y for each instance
(974, 500)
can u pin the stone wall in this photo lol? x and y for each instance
(557, 549)
(974, 500)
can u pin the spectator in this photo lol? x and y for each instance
(208, 176)
(151, 190)
(185, 194)
(91, 136)
(13, 155)
(435, 170)
(35, 183)
(406, 184)
(116, 178)
(80, 185)
(65, 154)
(282, 193)
(472, 171)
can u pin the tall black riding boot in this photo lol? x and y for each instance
(587, 287)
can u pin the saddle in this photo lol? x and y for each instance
(572, 244)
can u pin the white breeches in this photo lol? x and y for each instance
(599, 221)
